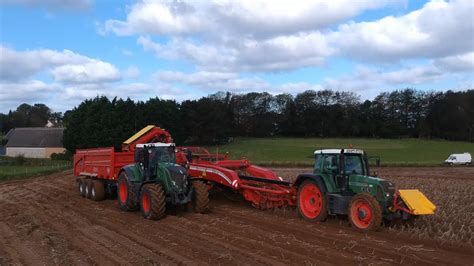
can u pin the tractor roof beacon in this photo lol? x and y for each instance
(341, 184)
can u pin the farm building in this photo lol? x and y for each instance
(35, 142)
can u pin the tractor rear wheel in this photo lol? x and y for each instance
(311, 202)
(200, 197)
(81, 184)
(365, 212)
(97, 190)
(153, 201)
(126, 197)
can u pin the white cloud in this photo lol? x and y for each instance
(276, 54)
(64, 66)
(24, 91)
(437, 29)
(131, 72)
(366, 78)
(227, 17)
(94, 71)
(212, 81)
(277, 36)
(457, 63)
(208, 82)
(28, 63)
(127, 52)
(52, 4)
(230, 35)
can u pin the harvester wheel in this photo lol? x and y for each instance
(97, 190)
(82, 187)
(200, 197)
(311, 202)
(153, 201)
(126, 197)
(87, 188)
(365, 212)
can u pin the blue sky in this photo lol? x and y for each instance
(62, 52)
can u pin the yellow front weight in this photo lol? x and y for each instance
(417, 202)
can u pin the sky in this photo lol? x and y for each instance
(60, 52)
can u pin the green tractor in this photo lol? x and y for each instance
(341, 185)
(155, 179)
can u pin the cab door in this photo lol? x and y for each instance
(329, 168)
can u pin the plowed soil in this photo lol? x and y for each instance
(44, 221)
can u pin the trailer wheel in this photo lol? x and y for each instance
(87, 188)
(365, 212)
(153, 201)
(200, 197)
(97, 190)
(311, 202)
(126, 197)
(82, 187)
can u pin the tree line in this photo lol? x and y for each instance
(216, 118)
(25, 115)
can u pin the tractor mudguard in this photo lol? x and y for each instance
(131, 175)
(316, 178)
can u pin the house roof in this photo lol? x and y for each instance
(9, 133)
(35, 137)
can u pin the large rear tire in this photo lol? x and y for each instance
(153, 201)
(127, 200)
(200, 197)
(311, 202)
(365, 213)
(97, 190)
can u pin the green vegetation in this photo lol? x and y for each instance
(299, 151)
(20, 167)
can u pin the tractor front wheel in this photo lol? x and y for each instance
(200, 197)
(153, 201)
(126, 197)
(311, 202)
(365, 212)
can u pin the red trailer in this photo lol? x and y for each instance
(103, 163)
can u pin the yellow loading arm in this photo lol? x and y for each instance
(137, 135)
(147, 134)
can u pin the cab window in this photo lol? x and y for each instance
(330, 163)
(318, 163)
(353, 164)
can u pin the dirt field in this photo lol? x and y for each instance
(45, 221)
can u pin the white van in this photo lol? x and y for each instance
(462, 158)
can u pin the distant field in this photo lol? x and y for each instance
(299, 151)
(10, 168)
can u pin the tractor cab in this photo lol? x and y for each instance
(149, 156)
(338, 165)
